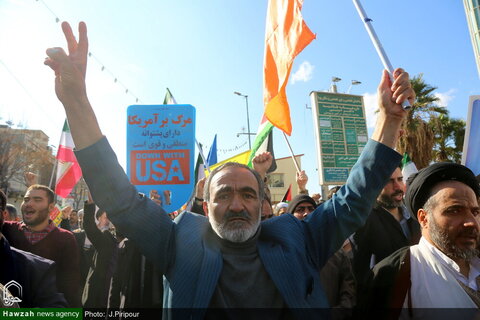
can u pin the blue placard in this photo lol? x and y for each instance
(160, 151)
(472, 150)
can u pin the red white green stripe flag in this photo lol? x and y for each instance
(68, 169)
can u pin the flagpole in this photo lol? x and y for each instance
(203, 157)
(378, 46)
(53, 172)
(291, 152)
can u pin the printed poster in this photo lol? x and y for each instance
(160, 151)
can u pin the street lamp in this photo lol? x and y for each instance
(333, 87)
(354, 83)
(248, 118)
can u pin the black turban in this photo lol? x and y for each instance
(420, 184)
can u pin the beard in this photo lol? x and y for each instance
(388, 202)
(446, 244)
(38, 218)
(235, 231)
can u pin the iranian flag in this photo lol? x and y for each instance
(68, 169)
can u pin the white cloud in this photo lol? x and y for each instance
(371, 105)
(445, 97)
(304, 72)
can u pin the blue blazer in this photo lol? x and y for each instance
(185, 250)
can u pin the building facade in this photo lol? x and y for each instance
(285, 175)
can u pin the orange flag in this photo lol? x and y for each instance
(286, 35)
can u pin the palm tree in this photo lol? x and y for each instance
(418, 138)
(448, 134)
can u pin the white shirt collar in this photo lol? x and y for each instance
(453, 266)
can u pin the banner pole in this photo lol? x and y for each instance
(291, 152)
(377, 44)
(203, 157)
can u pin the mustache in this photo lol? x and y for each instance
(232, 215)
(470, 232)
(398, 192)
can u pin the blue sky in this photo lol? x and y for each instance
(205, 50)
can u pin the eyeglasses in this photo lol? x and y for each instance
(301, 209)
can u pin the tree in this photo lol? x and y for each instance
(19, 154)
(418, 138)
(448, 135)
(79, 194)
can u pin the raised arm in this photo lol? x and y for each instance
(133, 214)
(96, 237)
(332, 222)
(391, 113)
(262, 162)
(302, 180)
(70, 71)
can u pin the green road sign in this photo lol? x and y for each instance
(341, 134)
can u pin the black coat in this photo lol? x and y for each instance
(35, 275)
(136, 282)
(97, 285)
(381, 236)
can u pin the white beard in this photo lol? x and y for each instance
(234, 231)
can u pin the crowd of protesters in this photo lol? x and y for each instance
(374, 245)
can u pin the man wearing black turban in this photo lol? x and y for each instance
(441, 271)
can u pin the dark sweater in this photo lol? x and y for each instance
(244, 282)
(60, 246)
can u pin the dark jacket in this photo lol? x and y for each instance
(338, 281)
(136, 282)
(60, 246)
(86, 255)
(339, 284)
(97, 285)
(386, 286)
(381, 236)
(35, 275)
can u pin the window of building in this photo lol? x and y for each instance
(276, 180)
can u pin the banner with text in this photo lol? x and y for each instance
(340, 134)
(160, 151)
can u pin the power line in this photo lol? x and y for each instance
(103, 67)
(26, 91)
